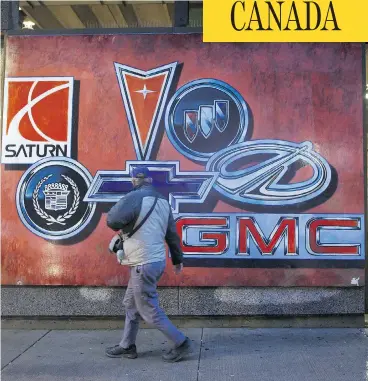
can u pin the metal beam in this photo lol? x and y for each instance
(171, 8)
(152, 14)
(129, 15)
(118, 15)
(104, 16)
(181, 12)
(66, 15)
(9, 15)
(42, 16)
(86, 15)
(195, 15)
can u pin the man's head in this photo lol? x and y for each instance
(141, 175)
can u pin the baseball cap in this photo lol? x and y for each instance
(140, 172)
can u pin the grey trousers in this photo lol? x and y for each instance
(141, 300)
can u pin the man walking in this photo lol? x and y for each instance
(145, 253)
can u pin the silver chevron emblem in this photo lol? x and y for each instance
(261, 183)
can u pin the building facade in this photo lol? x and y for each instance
(259, 148)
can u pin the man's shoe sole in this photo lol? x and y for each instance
(188, 351)
(130, 356)
(176, 359)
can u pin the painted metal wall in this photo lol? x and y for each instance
(258, 148)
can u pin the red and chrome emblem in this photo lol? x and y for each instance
(144, 94)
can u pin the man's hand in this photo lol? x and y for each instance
(178, 268)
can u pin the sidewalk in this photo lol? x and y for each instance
(239, 354)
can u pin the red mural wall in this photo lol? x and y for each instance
(106, 100)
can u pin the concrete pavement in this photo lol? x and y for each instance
(234, 354)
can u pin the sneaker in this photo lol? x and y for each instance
(178, 353)
(118, 351)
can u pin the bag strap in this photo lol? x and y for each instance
(143, 220)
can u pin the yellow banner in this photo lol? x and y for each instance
(285, 21)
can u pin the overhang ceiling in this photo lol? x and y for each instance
(104, 14)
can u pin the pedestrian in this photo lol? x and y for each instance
(147, 214)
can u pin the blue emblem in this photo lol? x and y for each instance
(257, 180)
(205, 116)
(178, 187)
(50, 198)
(206, 120)
(221, 114)
(191, 125)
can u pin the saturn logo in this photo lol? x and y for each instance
(37, 118)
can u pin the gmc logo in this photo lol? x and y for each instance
(257, 236)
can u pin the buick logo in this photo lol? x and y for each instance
(204, 117)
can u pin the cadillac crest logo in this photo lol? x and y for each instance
(50, 198)
(56, 195)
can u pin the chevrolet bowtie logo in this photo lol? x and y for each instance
(178, 187)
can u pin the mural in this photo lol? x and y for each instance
(258, 148)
